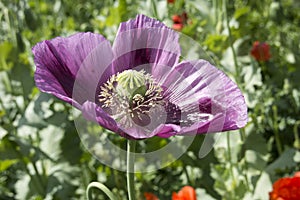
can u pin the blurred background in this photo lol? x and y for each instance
(255, 42)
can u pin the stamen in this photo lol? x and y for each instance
(130, 97)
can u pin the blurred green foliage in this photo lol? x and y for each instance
(41, 155)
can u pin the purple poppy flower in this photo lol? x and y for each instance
(137, 87)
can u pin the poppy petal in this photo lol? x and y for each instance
(186, 193)
(167, 130)
(58, 61)
(95, 113)
(207, 99)
(150, 196)
(145, 42)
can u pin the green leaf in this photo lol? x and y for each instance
(23, 187)
(67, 144)
(252, 76)
(122, 8)
(37, 111)
(8, 149)
(22, 73)
(5, 50)
(3, 132)
(20, 42)
(216, 42)
(51, 137)
(286, 160)
(62, 180)
(202, 194)
(255, 160)
(263, 187)
(5, 164)
(31, 19)
(241, 11)
(257, 143)
(296, 96)
(117, 14)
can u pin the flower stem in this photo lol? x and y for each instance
(230, 164)
(243, 138)
(187, 176)
(39, 177)
(153, 5)
(297, 140)
(130, 168)
(276, 131)
(130, 177)
(236, 65)
(101, 187)
(35, 182)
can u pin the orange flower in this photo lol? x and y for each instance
(261, 51)
(150, 196)
(186, 193)
(286, 188)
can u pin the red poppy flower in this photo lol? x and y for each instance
(150, 196)
(286, 188)
(261, 51)
(297, 174)
(179, 21)
(170, 1)
(186, 193)
(177, 27)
